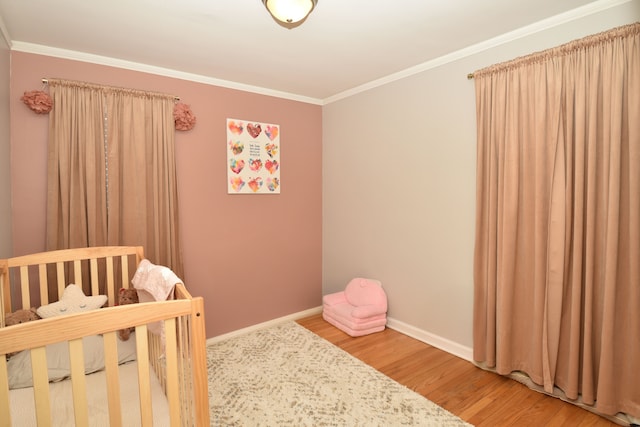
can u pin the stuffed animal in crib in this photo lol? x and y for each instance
(127, 296)
(21, 316)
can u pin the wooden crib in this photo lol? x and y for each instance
(165, 373)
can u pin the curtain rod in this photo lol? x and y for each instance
(46, 81)
(469, 76)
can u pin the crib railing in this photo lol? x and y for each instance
(177, 357)
(37, 279)
(170, 357)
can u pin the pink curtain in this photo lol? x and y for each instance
(557, 256)
(112, 176)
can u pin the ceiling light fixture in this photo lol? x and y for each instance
(290, 13)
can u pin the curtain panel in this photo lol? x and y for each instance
(111, 170)
(76, 202)
(557, 253)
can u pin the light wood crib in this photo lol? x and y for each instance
(164, 379)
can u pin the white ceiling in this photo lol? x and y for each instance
(343, 45)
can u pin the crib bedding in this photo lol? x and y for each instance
(23, 408)
(58, 363)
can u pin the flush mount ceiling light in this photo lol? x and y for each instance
(290, 13)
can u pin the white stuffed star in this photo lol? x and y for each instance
(73, 300)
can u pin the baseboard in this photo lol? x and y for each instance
(444, 344)
(294, 316)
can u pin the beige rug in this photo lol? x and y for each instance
(287, 376)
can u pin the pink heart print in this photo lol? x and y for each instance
(271, 132)
(235, 128)
(255, 184)
(236, 165)
(254, 129)
(236, 183)
(271, 166)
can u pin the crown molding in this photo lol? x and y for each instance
(166, 72)
(554, 21)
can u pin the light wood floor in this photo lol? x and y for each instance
(478, 397)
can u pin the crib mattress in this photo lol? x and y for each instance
(23, 411)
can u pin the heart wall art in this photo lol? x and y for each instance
(253, 157)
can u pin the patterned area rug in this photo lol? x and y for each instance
(287, 376)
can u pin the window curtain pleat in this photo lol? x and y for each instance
(112, 174)
(76, 202)
(557, 256)
(145, 197)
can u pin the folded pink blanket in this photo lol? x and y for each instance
(154, 282)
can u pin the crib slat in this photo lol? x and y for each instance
(113, 378)
(4, 391)
(124, 262)
(173, 391)
(24, 287)
(110, 283)
(78, 383)
(5, 291)
(95, 282)
(61, 279)
(144, 384)
(77, 273)
(44, 287)
(41, 386)
(184, 356)
(155, 359)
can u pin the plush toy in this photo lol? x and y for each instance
(127, 296)
(20, 316)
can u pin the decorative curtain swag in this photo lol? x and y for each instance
(183, 116)
(38, 101)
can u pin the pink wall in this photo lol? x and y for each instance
(252, 257)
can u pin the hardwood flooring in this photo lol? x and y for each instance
(477, 396)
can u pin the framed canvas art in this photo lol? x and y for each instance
(253, 157)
